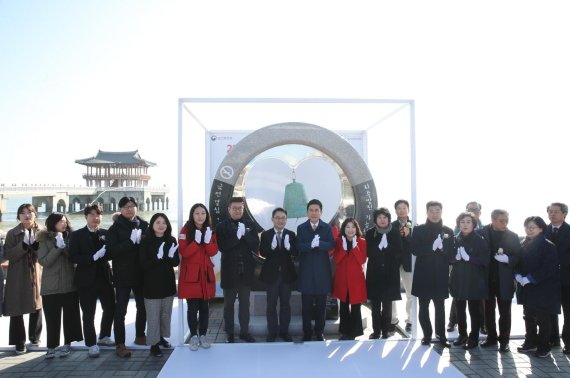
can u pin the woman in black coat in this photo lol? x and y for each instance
(538, 286)
(383, 249)
(468, 283)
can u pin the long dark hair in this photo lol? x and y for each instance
(150, 230)
(53, 219)
(191, 226)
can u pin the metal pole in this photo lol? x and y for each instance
(180, 220)
(414, 206)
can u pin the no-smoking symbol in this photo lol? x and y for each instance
(226, 172)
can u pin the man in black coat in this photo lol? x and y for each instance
(505, 249)
(558, 231)
(432, 244)
(93, 278)
(237, 239)
(279, 246)
(123, 243)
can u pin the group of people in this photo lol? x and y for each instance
(55, 270)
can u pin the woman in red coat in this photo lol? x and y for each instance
(349, 284)
(197, 282)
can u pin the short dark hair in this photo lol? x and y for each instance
(354, 222)
(563, 207)
(466, 214)
(498, 212)
(536, 219)
(434, 204)
(315, 202)
(402, 201)
(278, 209)
(93, 207)
(382, 211)
(27, 206)
(236, 200)
(123, 201)
(53, 219)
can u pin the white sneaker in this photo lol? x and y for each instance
(204, 343)
(106, 341)
(93, 351)
(64, 350)
(50, 354)
(194, 343)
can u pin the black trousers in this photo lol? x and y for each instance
(474, 315)
(88, 296)
(425, 322)
(504, 316)
(313, 305)
(123, 295)
(278, 291)
(381, 316)
(565, 297)
(351, 319)
(532, 318)
(242, 293)
(17, 332)
(53, 306)
(197, 308)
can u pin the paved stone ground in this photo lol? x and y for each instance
(479, 362)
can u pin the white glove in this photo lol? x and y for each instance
(523, 281)
(100, 253)
(160, 251)
(286, 243)
(172, 250)
(208, 235)
(198, 236)
(133, 236)
(240, 230)
(437, 243)
(315, 242)
(344, 244)
(274, 242)
(139, 235)
(27, 239)
(458, 256)
(518, 278)
(464, 254)
(59, 243)
(383, 243)
(502, 258)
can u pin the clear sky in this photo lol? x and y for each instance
(490, 79)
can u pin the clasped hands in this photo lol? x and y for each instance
(171, 250)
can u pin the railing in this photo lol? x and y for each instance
(90, 176)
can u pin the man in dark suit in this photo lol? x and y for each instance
(505, 249)
(314, 241)
(558, 231)
(93, 278)
(278, 245)
(237, 239)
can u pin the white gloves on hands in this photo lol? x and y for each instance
(241, 230)
(198, 237)
(344, 244)
(315, 242)
(502, 258)
(458, 256)
(274, 242)
(464, 254)
(208, 235)
(437, 243)
(160, 253)
(100, 253)
(59, 242)
(172, 250)
(136, 235)
(286, 243)
(383, 243)
(522, 280)
(29, 238)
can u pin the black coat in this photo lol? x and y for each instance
(82, 246)
(406, 256)
(469, 279)
(539, 263)
(278, 259)
(238, 264)
(383, 266)
(562, 242)
(158, 274)
(501, 274)
(431, 270)
(127, 271)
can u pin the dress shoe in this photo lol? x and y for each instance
(230, 339)
(488, 343)
(307, 337)
(483, 330)
(408, 327)
(319, 337)
(504, 348)
(286, 337)
(270, 338)
(526, 348)
(345, 337)
(374, 336)
(426, 341)
(140, 340)
(155, 351)
(542, 353)
(555, 343)
(122, 351)
(461, 340)
(566, 350)
(444, 343)
(450, 327)
(247, 338)
(471, 344)
(164, 343)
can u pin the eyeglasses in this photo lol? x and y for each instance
(128, 207)
(531, 228)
